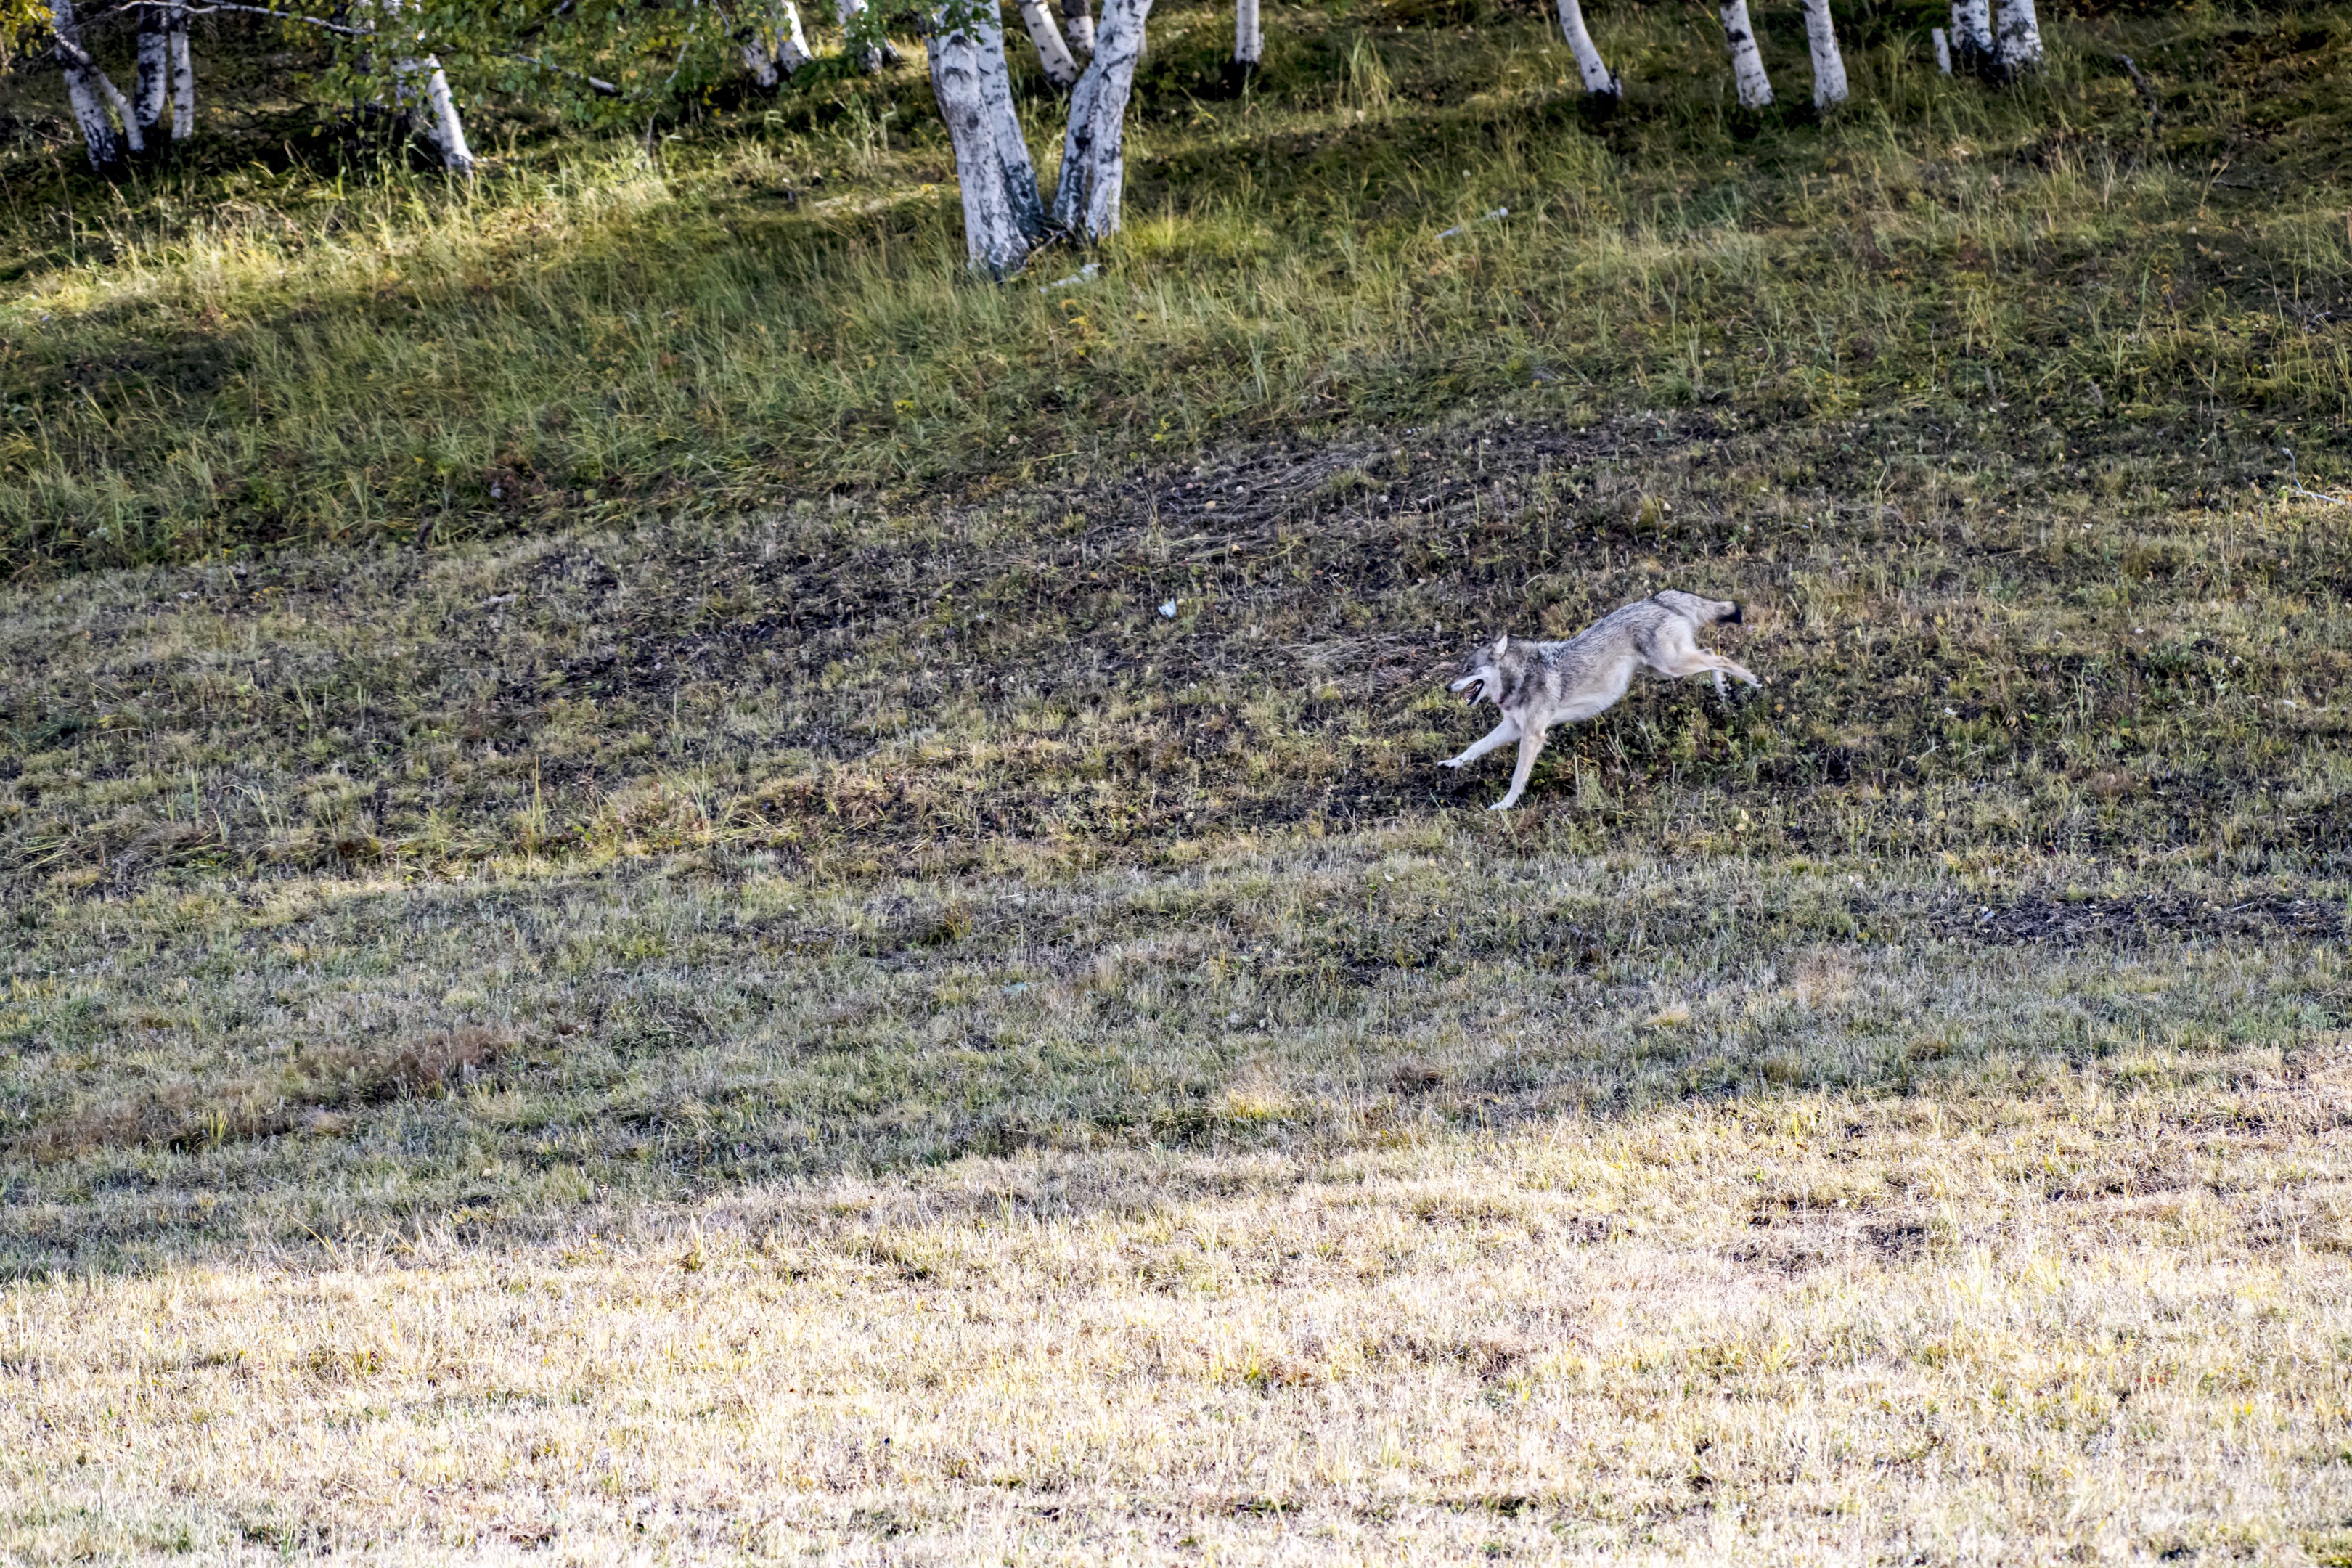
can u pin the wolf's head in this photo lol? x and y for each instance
(1482, 672)
(1696, 610)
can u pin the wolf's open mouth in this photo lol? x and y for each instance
(1471, 692)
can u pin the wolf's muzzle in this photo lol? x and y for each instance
(1737, 617)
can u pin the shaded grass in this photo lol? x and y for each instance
(774, 310)
(189, 1067)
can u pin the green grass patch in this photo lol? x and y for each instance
(774, 306)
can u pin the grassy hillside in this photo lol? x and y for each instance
(771, 307)
(677, 886)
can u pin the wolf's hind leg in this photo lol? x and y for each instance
(1690, 661)
(1724, 666)
(1501, 734)
(1530, 742)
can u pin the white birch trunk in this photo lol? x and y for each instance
(124, 115)
(1943, 44)
(423, 89)
(1003, 217)
(1249, 38)
(1829, 66)
(857, 26)
(1078, 26)
(2020, 39)
(90, 94)
(153, 79)
(1597, 76)
(777, 47)
(443, 125)
(760, 61)
(1972, 35)
(98, 137)
(792, 49)
(1747, 64)
(1052, 53)
(1094, 170)
(184, 77)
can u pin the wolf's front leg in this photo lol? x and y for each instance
(1501, 734)
(1529, 745)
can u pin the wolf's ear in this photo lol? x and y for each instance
(1502, 646)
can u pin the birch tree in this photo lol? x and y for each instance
(1004, 217)
(182, 69)
(1249, 39)
(1094, 168)
(1053, 54)
(152, 77)
(2019, 40)
(166, 76)
(1078, 26)
(92, 96)
(775, 46)
(421, 87)
(1829, 66)
(1972, 45)
(1747, 64)
(1598, 77)
(861, 32)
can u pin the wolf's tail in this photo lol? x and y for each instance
(1704, 612)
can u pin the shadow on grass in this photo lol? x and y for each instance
(555, 1051)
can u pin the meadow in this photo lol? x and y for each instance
(683, 888)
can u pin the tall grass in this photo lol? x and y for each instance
(774, 304)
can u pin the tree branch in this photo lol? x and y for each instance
(282, 16)
(597, 83)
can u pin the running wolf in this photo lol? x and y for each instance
(1539, 684)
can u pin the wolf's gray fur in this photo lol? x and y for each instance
(1539, 684)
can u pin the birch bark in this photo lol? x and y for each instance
(1078, 24)
(860, 28)
(1943, 46)
(777, 48)
(1249, 36)
(154, 78)
(1003, 218)
(1094, 170)
(88, 93)
(1972, 47)
(1597, 76)
(1053, 54)
(2020, 36)
(184, 77)
(1747, 64)
(1829, 65)
(446, 129)
(421, 87)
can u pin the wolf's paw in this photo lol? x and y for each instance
(1451, 762)
(1500, 806)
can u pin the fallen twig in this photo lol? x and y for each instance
(2147, 90)
(2294, 486)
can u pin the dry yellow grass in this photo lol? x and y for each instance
(2063, 1326)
